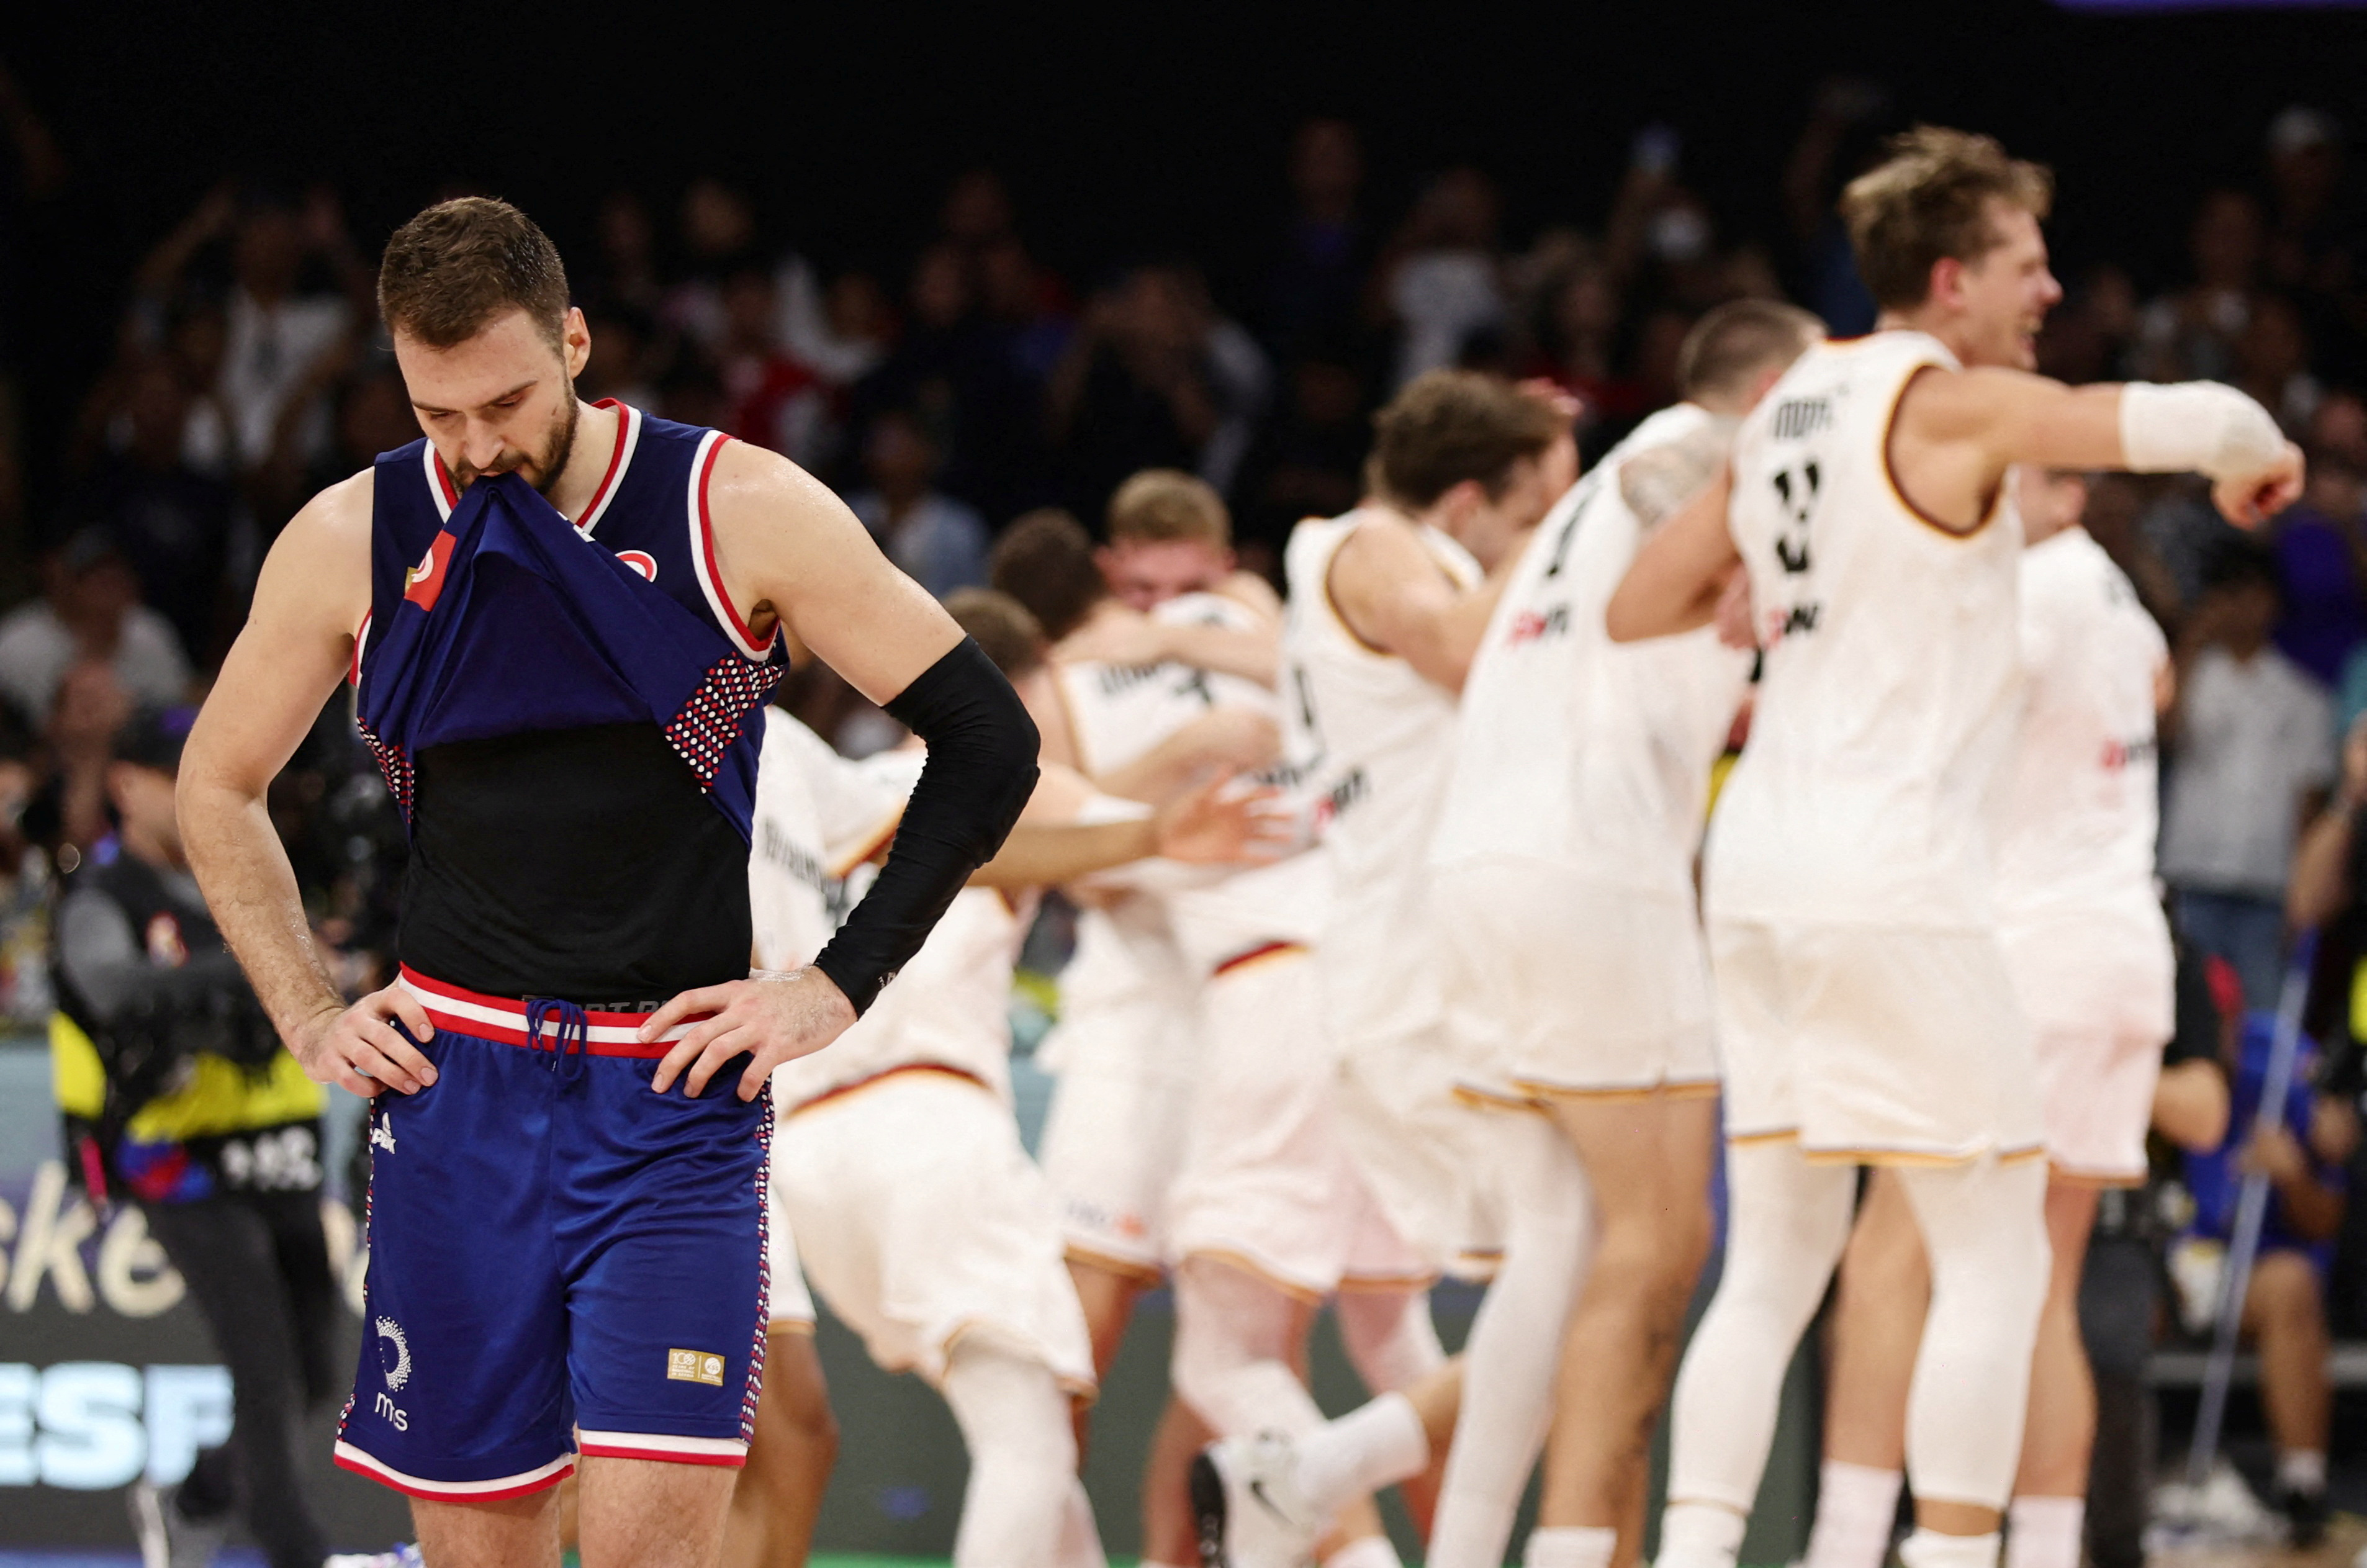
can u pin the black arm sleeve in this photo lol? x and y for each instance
(980, 771)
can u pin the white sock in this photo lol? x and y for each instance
(2303, 1470)
(1570, 1546)
(1856, 1508)
(1376, 1444)
(1699, 1535)
(2044, 1532)
(1366, 1552)
(1929, 1548)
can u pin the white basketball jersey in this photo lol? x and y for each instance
(1888, 694)
(1575, 750)
(950, 1006)
(817, 815)
(1374, 741)
(2080, 808)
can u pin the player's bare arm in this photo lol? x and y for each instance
(1118, 634)
(791, 552)
(1230, 740)
(296, 647)
(1215, 824)
(1681, 571)
(1956, 432)
(1395, 598)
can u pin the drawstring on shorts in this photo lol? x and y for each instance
(570, 1036)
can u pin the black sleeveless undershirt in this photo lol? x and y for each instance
(583, 864)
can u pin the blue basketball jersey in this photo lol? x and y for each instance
(492, 614)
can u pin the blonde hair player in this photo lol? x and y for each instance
(1866, 1012)
(2089, 953)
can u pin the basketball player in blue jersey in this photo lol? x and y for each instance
(561, 620)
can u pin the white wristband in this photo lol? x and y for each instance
(2197, 426)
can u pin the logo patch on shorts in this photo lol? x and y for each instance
(694, 1366)
(397, 1363)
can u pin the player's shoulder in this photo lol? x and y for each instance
(338, 517)
(1948, 402)
(319, 567)
(748, 482)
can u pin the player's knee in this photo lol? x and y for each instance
(2284, 1295)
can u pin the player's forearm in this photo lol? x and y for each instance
(1221, 738)
(250, 890)
(982, 769)
(1252, 656)
(1041, 854)
(2189, 427)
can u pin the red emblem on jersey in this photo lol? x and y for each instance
(423, 583)
(640, 561)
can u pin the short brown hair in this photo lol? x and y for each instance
(464, 263)
(999, 625)
(1160, 504)
(1929, 200)
(1739, 339)
(1045, 561)
(1447, 426)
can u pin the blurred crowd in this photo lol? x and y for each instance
(978, 383)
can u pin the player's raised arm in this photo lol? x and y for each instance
(1957, 432)
(792, 552)
(1679, 572)
(297, 645)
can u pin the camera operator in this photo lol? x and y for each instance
(178, 1096)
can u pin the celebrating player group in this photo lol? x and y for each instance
(1391, 961)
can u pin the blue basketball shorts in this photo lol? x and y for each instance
(562, 1262)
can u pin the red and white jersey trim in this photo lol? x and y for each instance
(361, 644)
(440, 489)
(351, 1457)
(702, 551)
(629, 439)
(662, 1446)
(502, 1019)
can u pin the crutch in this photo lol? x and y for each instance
(2251, 1213)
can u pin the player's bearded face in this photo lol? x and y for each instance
(543, 457)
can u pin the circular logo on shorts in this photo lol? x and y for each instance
(640, 561)
(397, 1364)
(714, 1366)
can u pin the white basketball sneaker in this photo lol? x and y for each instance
(1246, 1505)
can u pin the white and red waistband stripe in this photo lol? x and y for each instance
(662, 1446)
(504, 1019)
(348, 1457)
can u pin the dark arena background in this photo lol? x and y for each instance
(952, 195)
